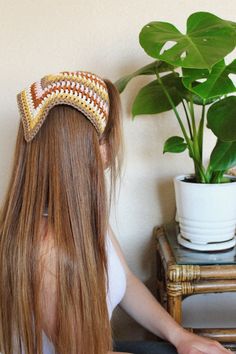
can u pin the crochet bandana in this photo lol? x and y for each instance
(83, 90)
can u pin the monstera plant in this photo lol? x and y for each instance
(190, 70)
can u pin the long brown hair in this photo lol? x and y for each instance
(60, 168)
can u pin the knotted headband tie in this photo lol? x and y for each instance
(83, 90)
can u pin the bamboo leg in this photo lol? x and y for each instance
(175, 307)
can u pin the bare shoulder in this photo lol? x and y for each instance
(118, 249)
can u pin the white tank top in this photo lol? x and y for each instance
(116, 277)
(115, 292)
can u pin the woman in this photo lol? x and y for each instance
(62, 271)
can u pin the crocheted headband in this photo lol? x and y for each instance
(81, 89)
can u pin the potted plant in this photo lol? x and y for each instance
(190, 70)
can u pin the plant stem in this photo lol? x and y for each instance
(191, 143)
(197, 144)
(188, 141)
(201, 130)
(216, 177)
(191, 110)
(200, 173)
(188, 120)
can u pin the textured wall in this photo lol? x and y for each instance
(41, 37)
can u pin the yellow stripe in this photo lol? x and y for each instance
(26, 109)
(92, 85)
(68, 99)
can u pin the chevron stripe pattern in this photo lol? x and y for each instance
(83, 90)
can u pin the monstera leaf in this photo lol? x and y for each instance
(207, 41)
(221, 119)
(216, 83)
(175, 144)
(223, 156)
(152, 98)
(150, 69)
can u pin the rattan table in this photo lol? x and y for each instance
(182, 272)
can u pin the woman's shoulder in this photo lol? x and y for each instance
(111, 235)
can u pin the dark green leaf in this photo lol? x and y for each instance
(150, 69)
(232, 24)
(200, 101)
(223, 156)
(175, 144)
(217, 83)
(208, 40)
(197, 99)
(151, 98)
(221, 119)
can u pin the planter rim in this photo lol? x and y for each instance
(179, 179)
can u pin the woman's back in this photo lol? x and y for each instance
(48, 291)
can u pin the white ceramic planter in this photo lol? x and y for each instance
(206, 214)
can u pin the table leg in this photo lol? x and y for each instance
(175, 307)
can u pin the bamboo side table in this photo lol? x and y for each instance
(182, 272)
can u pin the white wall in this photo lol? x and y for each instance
(41, 37)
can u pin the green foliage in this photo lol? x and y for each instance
(221, 119)
(207, 41)
(149, 69)
(190, 69)
(175, 144)
(152, 98)
(216, 83)
(223, 156)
